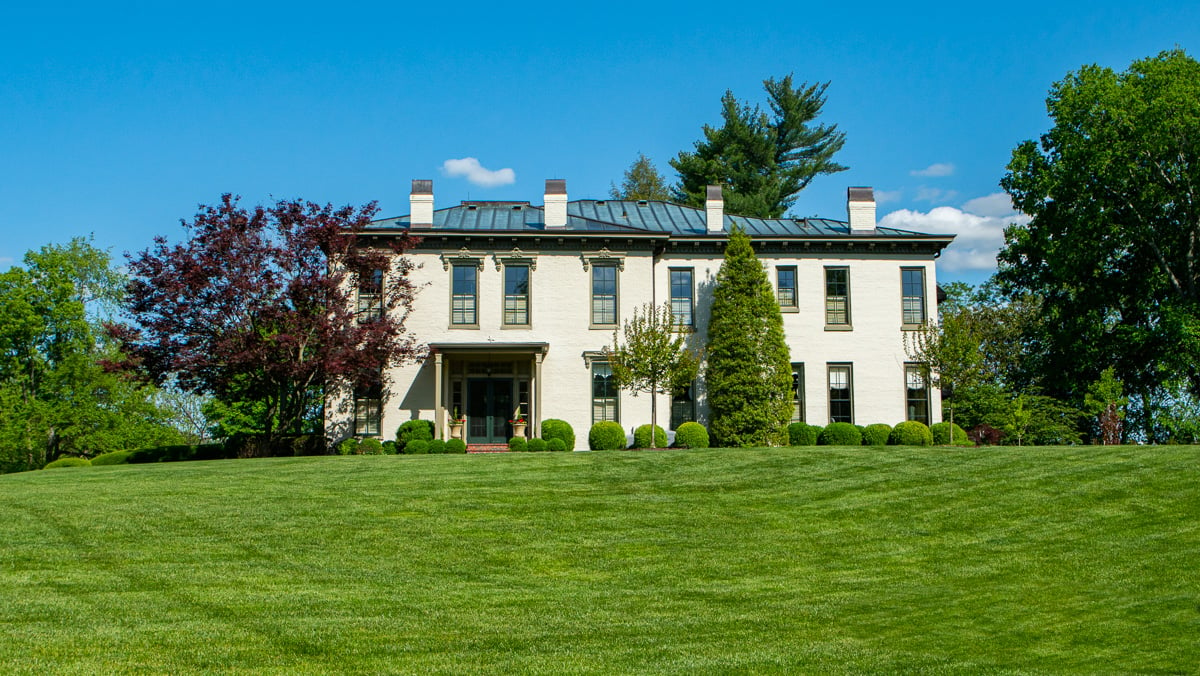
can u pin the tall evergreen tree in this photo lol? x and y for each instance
(642, 182)
(749, 371)
(762, 160)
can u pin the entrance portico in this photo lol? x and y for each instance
(488, 383)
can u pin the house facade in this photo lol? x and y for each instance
(516, 303)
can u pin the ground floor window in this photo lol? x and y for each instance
(797, 393)
(841, 393)
(916, 384)
(683, 407)
(368, 410)
(605, 396)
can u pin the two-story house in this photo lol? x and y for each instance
(516, 303)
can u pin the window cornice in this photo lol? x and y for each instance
(463, 256)
(603, 257)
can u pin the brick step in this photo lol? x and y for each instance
(487, 448)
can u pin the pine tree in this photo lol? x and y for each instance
(762, 160)
(749, 371)
(642, 182)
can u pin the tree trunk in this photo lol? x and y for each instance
(653, 412)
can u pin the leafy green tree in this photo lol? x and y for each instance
(653, 358)
(951, 349)
(642, 182)
(749, 371)
(1106, 400)
(1112, 189)
(762, 160)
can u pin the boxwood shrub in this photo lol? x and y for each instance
(436, 446)
(68, 462)
(517, 444)
(803, 434)
(641, 437)
(559, 429)
(413, 430)
(389, 447)
(911, 433)
(691, 435)
(840, 434)
(536, 445)
(456, 446)
(370, 446)
(606, 435)
(556, 444)
(114, 458)
(417, 447)
(348, 446)
(941, 434)
(877, 434)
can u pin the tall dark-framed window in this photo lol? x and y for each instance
(837, 296)
(841, 393)
(604, 295)
(605, 395)
(912, 295)
(797, 392)
(368, 409)
(516, 295)
(683, 296)
(464, 296)
(785, 287)
(916, 392)
(683, 406)
(370, 296)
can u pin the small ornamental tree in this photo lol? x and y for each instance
(258, 307)
(749, 372)
(653, 358)
(1105, 399)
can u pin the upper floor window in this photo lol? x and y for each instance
(912, 295)
(785, 287)
(841, 393)
(682, 296)
(370, 295)
(516, 295)
(604, 295)
(916, 388)
(837, 297)
(464, 296)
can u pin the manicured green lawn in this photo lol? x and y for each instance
(765, 560)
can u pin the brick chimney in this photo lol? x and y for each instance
(714, 209)
(860, 207)
(420, 203)
(556, 203)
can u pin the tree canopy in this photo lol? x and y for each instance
(749, 371)
(762, 160)
(257, 308)
(642, 182)
(1113, 189)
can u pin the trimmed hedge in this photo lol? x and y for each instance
(536, 445)
(114, 458)
(803, 434)
(641, 437)
(348, 446)
(437, 446)
(68, 462)
(370, 446)
(517, 444)
(941, 434)
(556, 445)
(606, 436)
(691, 435)
(456, 446)
(414, 430)
(911, 433)
(840, 434)
(417, 447)
(877, 434)
(389, 447)
(559, 429)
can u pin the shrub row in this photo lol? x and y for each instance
(908, 433)
(610, 436)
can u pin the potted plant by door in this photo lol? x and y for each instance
(457, 423)
(519, 423)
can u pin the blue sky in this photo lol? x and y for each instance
(117, 120)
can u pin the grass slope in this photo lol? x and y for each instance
(995, 560)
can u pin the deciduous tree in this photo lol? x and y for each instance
(762, 160)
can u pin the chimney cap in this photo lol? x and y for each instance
(714, 192)
(556, 186)
(860, 194)
(422, 186)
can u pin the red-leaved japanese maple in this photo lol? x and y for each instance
(258, 305)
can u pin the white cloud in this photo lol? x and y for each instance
(477, 174)
(978, 229)
(885, 196)
(936, 169)
(925, 194)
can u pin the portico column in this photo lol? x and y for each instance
(537, 394)
(438, 409)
